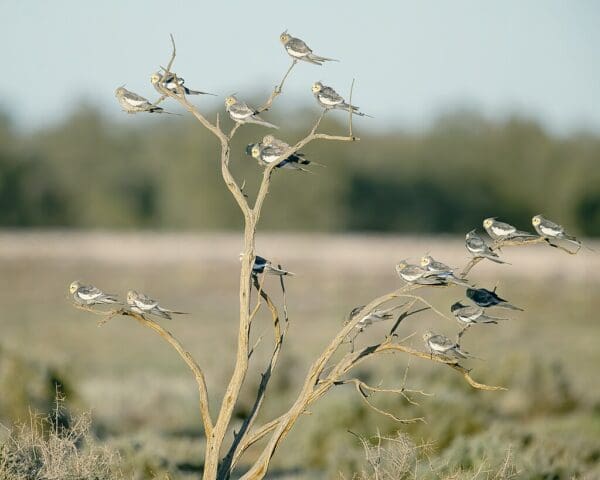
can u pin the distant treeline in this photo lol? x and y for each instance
(163, 173)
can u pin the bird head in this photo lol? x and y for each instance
(74, 286)
(132, 295)
(155, 78)
(536, 220)
(317, 87)
(426, 260)
(487, 223)
(284, 37)
(255, 152)
(120, 91)
(427, 335)
(230, 100)
(471, 233)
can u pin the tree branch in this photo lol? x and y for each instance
(183, 353)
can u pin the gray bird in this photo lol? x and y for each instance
(242, 113)
(262, 265)
(441, 345)
(373, 317)
(479, 249)
(265, 155)
(173, 83)
(90, 295)
(441, 270)
(548, 229)
(280, 147)
(298, 50)
(329, 99)
(488, 298)
(470, 315)
(133, 103)
(142, 304)
(418, 275)
(503, 231)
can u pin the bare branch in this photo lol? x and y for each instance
(184, 354)
(277, 90)
(362, 388)
(230, 459)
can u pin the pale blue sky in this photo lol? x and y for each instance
(411, 60)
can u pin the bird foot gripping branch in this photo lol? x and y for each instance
(332, 366)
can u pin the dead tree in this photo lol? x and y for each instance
(333, 366)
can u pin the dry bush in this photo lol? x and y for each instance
(44, 450)
(398, 458)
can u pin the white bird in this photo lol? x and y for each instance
(133, 103)
(329, 99)
(479, 249)
(299, 50)
(503, 231)
(242, 113)
(173, 84)
(548, 229)
(441, 345)
(470, 314)
(142, 304)
(90, 295)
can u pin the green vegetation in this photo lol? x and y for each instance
(163, 174)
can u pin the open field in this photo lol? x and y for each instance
(143, 399)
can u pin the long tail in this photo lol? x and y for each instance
(354, 109)
(317, 60)
(489, 319)
(110, 298)
(458, 281)
(260, 121)
(198, 92)
(510, 306)
(571, 238)
(495, 259)
(278, 271)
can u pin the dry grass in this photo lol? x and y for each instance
(43, 449)
(144, 401)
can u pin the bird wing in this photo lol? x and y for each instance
(89, 292)
(550, 228)
(503, 227)
(144, 302)
(297, 47)
(134, 98)
(240, 108)
(329, 96)
(442, 342)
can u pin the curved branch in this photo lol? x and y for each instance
(183, 353)
(362, 388)
(277, 90)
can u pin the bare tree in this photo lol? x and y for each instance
(333, 366)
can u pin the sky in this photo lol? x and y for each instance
(411, 60)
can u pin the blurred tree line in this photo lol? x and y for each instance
(161, 172)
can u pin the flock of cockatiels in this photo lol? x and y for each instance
(240, 112)
(269, 149)
(428, 271)
(89, 296)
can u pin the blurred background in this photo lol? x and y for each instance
(479, 110)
